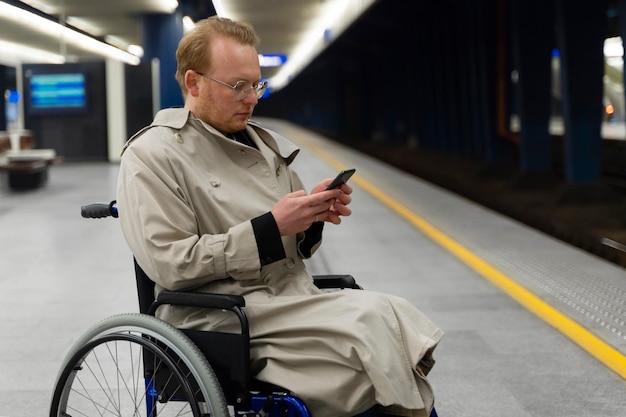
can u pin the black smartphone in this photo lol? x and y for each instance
(341, 178)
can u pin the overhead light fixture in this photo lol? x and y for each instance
(188, 23)
(136, 50)
(171, 5)
(53, 29)
(14, 53)
(219, 8)
(166, 6)
(613, 47)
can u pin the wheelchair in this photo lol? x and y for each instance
(133, 364)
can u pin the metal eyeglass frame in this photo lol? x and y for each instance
(238, 90)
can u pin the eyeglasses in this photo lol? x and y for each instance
(241, 89)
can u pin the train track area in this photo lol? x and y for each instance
(591, 216)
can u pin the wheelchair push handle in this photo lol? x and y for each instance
(99, 210)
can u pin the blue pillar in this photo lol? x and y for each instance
(580, 29)
(533, 42)
(161, 34)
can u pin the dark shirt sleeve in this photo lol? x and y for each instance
(312, 236)
(270, 244)
(268, 239)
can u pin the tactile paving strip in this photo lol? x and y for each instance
(562, 275)
(599, 302)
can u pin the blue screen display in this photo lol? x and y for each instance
(57, 93)
(57, 90)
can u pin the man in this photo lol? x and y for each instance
(208, 202)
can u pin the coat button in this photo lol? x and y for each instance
(179, 137)
(215, 182)
(267, 278)
(290, 263)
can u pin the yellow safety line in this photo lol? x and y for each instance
(595, 346)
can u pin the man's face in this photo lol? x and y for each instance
(215, 103)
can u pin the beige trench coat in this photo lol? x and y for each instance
(186, 195)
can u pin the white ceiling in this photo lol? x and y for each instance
(117, 18)
(283, 25)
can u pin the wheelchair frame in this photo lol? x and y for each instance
(135, 361)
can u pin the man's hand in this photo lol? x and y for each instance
(296, 211)
(339, 206)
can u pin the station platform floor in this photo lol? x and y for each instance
(533, 326)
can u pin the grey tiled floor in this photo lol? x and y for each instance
(60, 273)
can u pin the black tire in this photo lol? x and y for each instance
(103, 373)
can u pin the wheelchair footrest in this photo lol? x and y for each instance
(278, 405)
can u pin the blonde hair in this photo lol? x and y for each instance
(193, 48)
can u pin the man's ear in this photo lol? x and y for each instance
(191, 82)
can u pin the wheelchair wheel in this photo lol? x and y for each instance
(136, 365)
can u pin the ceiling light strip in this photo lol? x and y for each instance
(335, 18)
(48, 27)
(14, 53)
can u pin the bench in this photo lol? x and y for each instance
(27, 168)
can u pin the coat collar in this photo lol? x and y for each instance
(277, 142)
(176, 118)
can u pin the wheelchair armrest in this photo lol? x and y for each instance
(234, 303)
(336, 281)
(205, 300)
